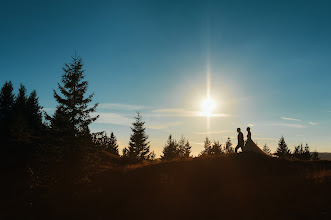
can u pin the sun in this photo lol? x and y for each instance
(208, 106)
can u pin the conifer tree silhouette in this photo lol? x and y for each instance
(34, 115)
(6, 105)
(112, 146)
(138, 150)
(216, 148)
(282, 150)
(266, 149)
(72, 117)
(306, 155)
(184, 148)
(207, 147)
(19, 127)
(170, 150)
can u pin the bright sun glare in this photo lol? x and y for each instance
(208, 106)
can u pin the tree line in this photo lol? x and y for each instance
(25, 128)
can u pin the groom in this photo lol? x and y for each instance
(240, 140)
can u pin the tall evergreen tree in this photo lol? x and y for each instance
(6, 105)
(282, 150)
(138, 150)
(19, 128)
(170, 150)
(72, 115)
(34, 114)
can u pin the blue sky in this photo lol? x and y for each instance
(268, 61)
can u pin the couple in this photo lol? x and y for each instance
(250, 146)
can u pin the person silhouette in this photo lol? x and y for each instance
(250, 146)
(240, 141)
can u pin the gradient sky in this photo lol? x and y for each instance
(269, 64)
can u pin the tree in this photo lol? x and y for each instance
(19, 127)
(6, 105)
(170, 150)
(216, 148)
(282, 150)
(103, 142)
(207, 147)
(184, 148)
(72, 115)
(298, 151)
(228, 146)
(306, 155)
(34, 114)
(266, 149)
(112, 146)
(138, 150)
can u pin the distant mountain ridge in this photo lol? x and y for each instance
(325, 155)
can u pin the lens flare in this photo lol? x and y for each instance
(208, 106)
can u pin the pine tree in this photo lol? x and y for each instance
(138, 150)
(266, 149)
(306, 155)
(170, 150)
(184, 148)
(216, 148)
(207, 147)
(19, 127)
(282, 150)
(112, 146)
(297, 153)
(72, 115)
(34, 114)
(228, 146)
(6, 105)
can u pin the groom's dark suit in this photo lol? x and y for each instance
(240, 141)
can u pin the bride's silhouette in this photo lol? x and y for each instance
(250, 146)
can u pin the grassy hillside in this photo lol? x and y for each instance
(231, 186)
(325, 156)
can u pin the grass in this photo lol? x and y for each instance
(244, 186)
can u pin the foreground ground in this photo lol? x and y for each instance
(230, 186)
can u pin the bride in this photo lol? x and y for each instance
(250, 146)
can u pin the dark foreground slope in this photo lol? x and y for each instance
(232, 187)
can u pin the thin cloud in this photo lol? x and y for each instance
(164, 125)
(118, 106)
(177, 112)
(113, 118)
(312, 123)
(212, 132)
(274, 139)
(251, 125)
(290, 119)
(49, 110)
(170, 110)
(290, 125)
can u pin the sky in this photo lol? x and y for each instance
(265, 63)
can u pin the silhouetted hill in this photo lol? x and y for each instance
(244, 186)
(325, 156)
